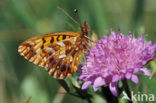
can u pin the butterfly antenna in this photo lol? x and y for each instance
(76, 12)
(68, 15)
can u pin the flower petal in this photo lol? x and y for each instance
(135, 79)
(128, 75)
(115, 78)
(145, 72)
(136, 70)
(95, 88)
(86, 84)
(98, 82)
(81, 77)
(113, 89)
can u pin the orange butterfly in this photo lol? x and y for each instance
(59, 53)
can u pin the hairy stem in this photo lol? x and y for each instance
(127, 90)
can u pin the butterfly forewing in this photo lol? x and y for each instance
(59, 53)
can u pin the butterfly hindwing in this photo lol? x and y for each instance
(58, 53)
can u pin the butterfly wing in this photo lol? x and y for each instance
(58, 53)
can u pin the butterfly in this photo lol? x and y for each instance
(59, 53)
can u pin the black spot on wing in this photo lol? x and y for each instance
(42, 46)
(64, 37)
(52, 40)
(51, 59)
(63, 68)
(58, 38)
(43, 40)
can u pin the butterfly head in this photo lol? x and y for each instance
(85, 29)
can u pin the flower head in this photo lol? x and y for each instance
(114, 58)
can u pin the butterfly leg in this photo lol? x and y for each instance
(83, 53)
(89, 39)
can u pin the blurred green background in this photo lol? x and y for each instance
(23, 19)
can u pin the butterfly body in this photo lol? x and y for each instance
(59, 53)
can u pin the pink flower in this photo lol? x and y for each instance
(114, 58)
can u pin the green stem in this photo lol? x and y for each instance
(107, 94)
(127, 90)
